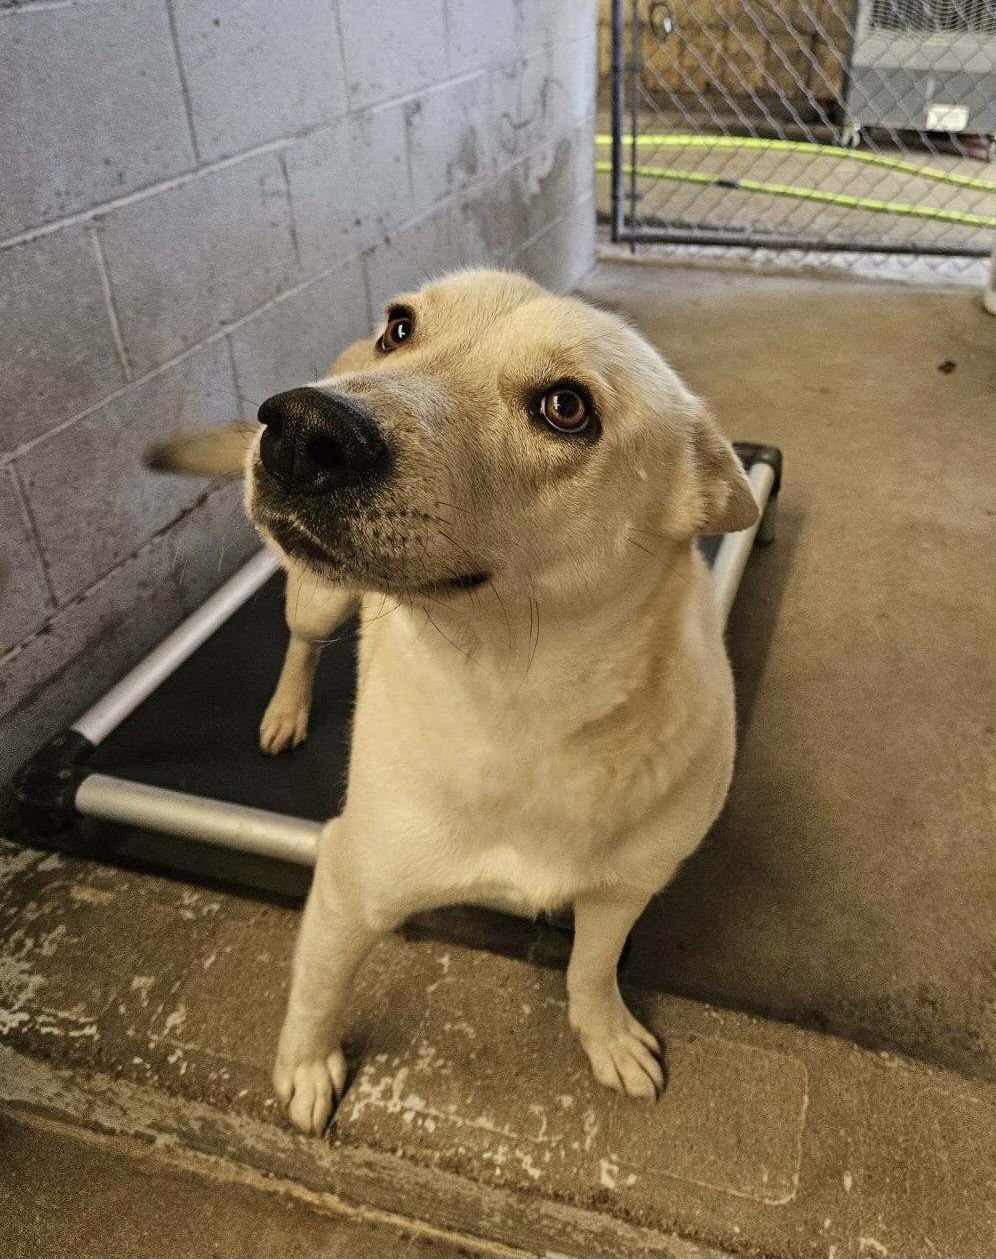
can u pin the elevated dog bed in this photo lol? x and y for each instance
(172, 748)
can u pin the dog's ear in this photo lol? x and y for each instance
(354, 358)
(213, 452)
(722, 497)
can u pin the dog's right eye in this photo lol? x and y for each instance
(400, 326)
(565, 410)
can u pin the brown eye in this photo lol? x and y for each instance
(565, 410)
(399, 330)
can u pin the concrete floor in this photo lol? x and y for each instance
(850, 887)
(94, 1197)
(851, 883)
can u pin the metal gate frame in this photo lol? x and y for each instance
(627, 63)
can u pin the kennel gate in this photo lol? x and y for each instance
(816, 125)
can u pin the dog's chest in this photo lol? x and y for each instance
(532, 768)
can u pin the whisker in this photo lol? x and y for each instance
(670, 568)
(446, 637)
(239, 397)
(533, 637)
(453, 507)
(663, 536)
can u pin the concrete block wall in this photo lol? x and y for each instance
(202, 201)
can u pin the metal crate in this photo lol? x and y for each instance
(922, 65)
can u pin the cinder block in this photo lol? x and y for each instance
(24, 596)
(538, 98)
(94, 504)
(495, 220)
(528, 104)
(90, 107)
(56, 337)
(393, 52)
(438, 242)
(449, 139)
(554, 21)
(254, 72)
(491, 222)
(555, 177)
(187, 260)
(481, 33)
(577, 67)
(88, 645)
(349, 185)
(296, 339)
(559, 256)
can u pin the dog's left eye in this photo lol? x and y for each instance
(399, 329)
(565, 410)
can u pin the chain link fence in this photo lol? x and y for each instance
(823, 125)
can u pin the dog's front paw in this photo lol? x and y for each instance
(283, 726)
(310, 1090)
(624, 1056)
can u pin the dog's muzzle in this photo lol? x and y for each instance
(316, 441)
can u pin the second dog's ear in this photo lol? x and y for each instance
(211, 452)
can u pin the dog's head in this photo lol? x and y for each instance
(490, 431)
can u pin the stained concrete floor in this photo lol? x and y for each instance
(849, 886)
(93, 1197)
(851, 883)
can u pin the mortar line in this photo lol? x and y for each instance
(240, 397)
(446, 35)
(337, 17)
(282, 159)
(151, 190)
(28, 517)
(42, 6)
(112, 310)
(184, 87)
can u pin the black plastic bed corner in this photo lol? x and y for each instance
(45, 788)
(756, 452)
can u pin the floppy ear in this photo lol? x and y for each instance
(725, 501)
(353, 358)
(214, 452)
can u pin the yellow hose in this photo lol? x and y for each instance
(802, 146)
(805, 194)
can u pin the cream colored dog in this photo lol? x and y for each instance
(507, 485)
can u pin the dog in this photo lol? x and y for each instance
(506, 485)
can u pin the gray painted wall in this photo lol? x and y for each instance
(200, 202)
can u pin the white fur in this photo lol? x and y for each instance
(568, 747)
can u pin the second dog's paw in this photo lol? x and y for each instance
(311, 1090)
(283, 727)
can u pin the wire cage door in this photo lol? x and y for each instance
(857, 125)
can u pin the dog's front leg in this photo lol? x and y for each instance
(310, 1070)
(623, 1054)
(313, 611)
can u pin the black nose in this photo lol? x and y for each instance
(316, 441)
